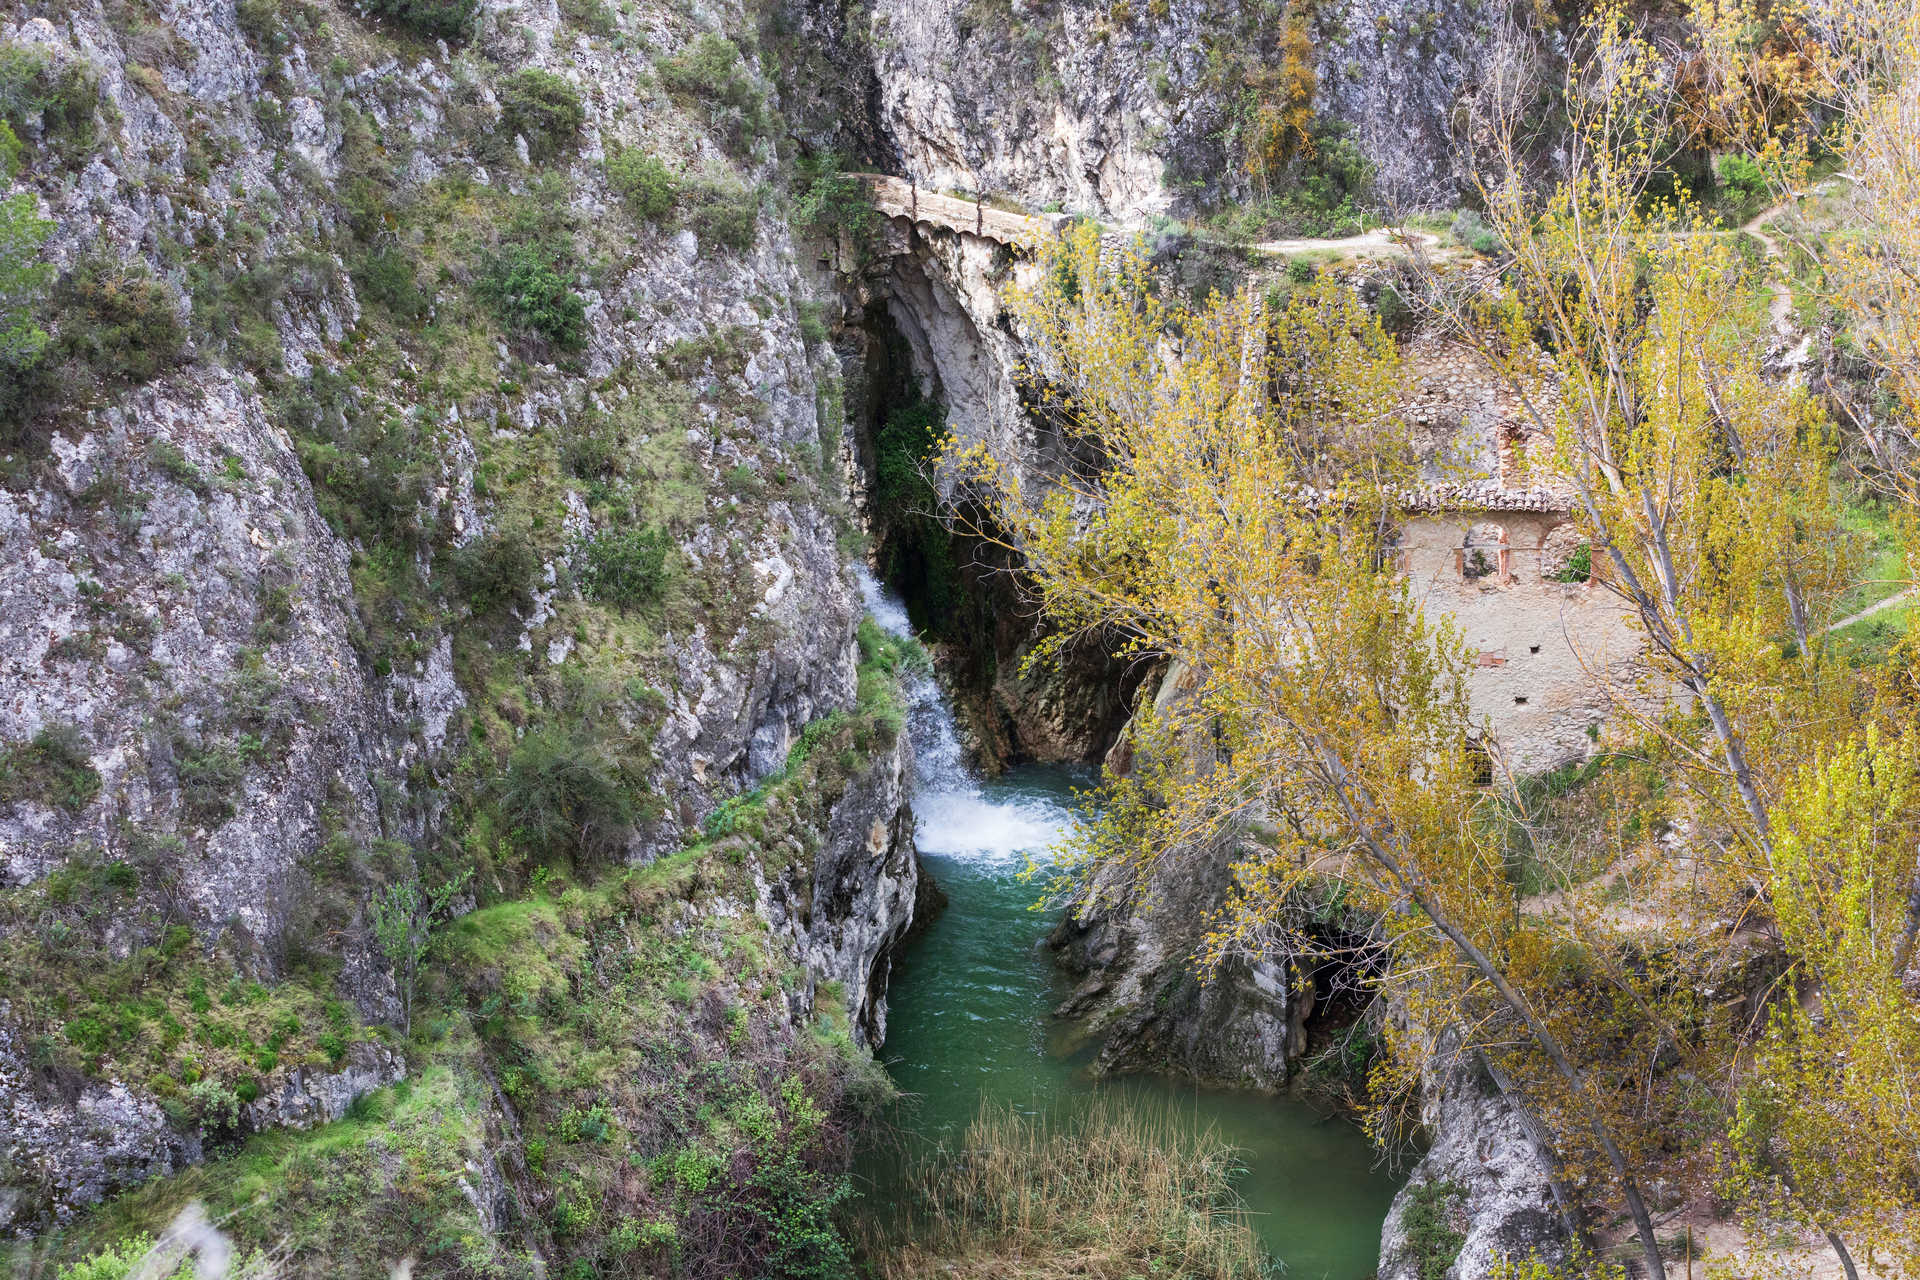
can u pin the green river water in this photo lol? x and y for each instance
(971, 1014)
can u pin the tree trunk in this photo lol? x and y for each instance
(1840, 1251)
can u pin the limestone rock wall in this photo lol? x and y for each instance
(845, 914)
(1110, 109)
(1484, 1175)
(173, 593)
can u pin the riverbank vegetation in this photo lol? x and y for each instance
(1243, 522)
(1109, 1191)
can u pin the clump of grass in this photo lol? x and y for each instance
(54, 768)
(1110, 1190)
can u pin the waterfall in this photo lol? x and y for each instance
(958, 817)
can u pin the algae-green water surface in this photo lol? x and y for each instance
(971, 1011)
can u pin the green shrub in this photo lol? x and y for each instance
(533, 299)
(632, 1235)
(52, 769)
(435, 19)
(1396, 313)
(24, 277)
(646, 184)
(215, 1105)
(260, 22)
(542, 108)
(723, 210)
(117, 1262)
(564, 792)
(387, 278)
(210, 773)
(1301, 271)
(813, 326)
(47, 105)
(497, 570)
(586, 1124)
(625, 568)
(372, 467)
(830, 203)
(1741, 180)
(588, 452)
(590, 15)
(572, 1216)
(117, 326)
(1430, 1234)
(712, 73)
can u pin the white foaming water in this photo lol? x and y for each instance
(957, 817)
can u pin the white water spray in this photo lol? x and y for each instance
(958, 818)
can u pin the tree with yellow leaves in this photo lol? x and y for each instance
(1238, 521)
(1706, 484)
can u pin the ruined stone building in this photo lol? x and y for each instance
(1490, 540)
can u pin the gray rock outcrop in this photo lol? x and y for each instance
(846, 914)
(175, 602)
(1112, 109)
(1485, 1174)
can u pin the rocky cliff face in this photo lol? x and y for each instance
(847, 911)
(1484, 1189)
(1139, 995)
(1136, 110)
(402, 491)
(1133, 944)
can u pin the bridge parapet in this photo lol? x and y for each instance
(898, 198)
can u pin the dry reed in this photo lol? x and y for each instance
(1108, 1191)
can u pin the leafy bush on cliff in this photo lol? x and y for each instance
(387, 278)
(53, 769)
(497, 570)
(644, 182)
(542, 108)
(625, 568)
(829, 202)
(118, 993)
(564, 793)
(722, 209)
(23, 338)
(533, 299)
(117, 327)
(48, 105)
(1431, 1237)
(450, 20)
(711, 74)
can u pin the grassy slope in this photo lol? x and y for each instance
(659, 1102)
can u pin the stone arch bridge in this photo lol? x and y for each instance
(923, 206)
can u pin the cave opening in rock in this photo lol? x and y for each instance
(962, 592)
(899, 420)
